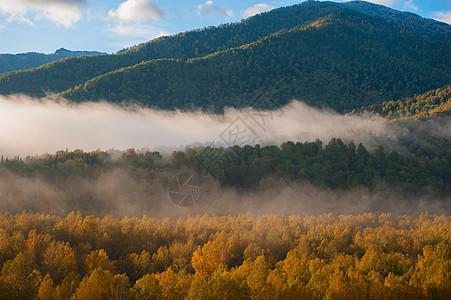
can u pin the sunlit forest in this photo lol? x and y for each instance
(369, 256)
(433, 103)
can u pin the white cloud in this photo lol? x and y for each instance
(61, 12)
(381, 2)
(444, 16)
(140, 30)
(19, 19)
(136, 11)
(256, 9)
(96, 15)
(409, 5)
(132, 17)
(209, 7)
(385, 2)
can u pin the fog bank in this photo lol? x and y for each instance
(31, 126)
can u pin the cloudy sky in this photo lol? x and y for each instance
(111, 25)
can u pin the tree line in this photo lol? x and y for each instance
(423, 167)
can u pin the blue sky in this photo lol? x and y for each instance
(111, 25)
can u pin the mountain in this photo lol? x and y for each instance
(23, 61)
(336, 62)
(325, 53)
(434, 103)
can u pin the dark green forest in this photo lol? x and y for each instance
(336, 165)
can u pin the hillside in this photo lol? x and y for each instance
(23, 61)
(434, 103)
(410, 22)
(345, 61)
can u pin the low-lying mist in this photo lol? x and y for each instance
(120, 193)
(31, 126)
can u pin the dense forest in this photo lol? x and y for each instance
(435, 103)
(336, 165)
(370, 256)
(318, 52)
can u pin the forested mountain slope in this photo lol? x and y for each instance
(66, 74)
(23, 61)
(62, 75)
(344, 61)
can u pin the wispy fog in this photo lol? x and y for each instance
(35, 126)
(108, 194)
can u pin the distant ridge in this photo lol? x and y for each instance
(23, 61)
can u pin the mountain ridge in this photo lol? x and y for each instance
(28, 60)
(411, 22)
